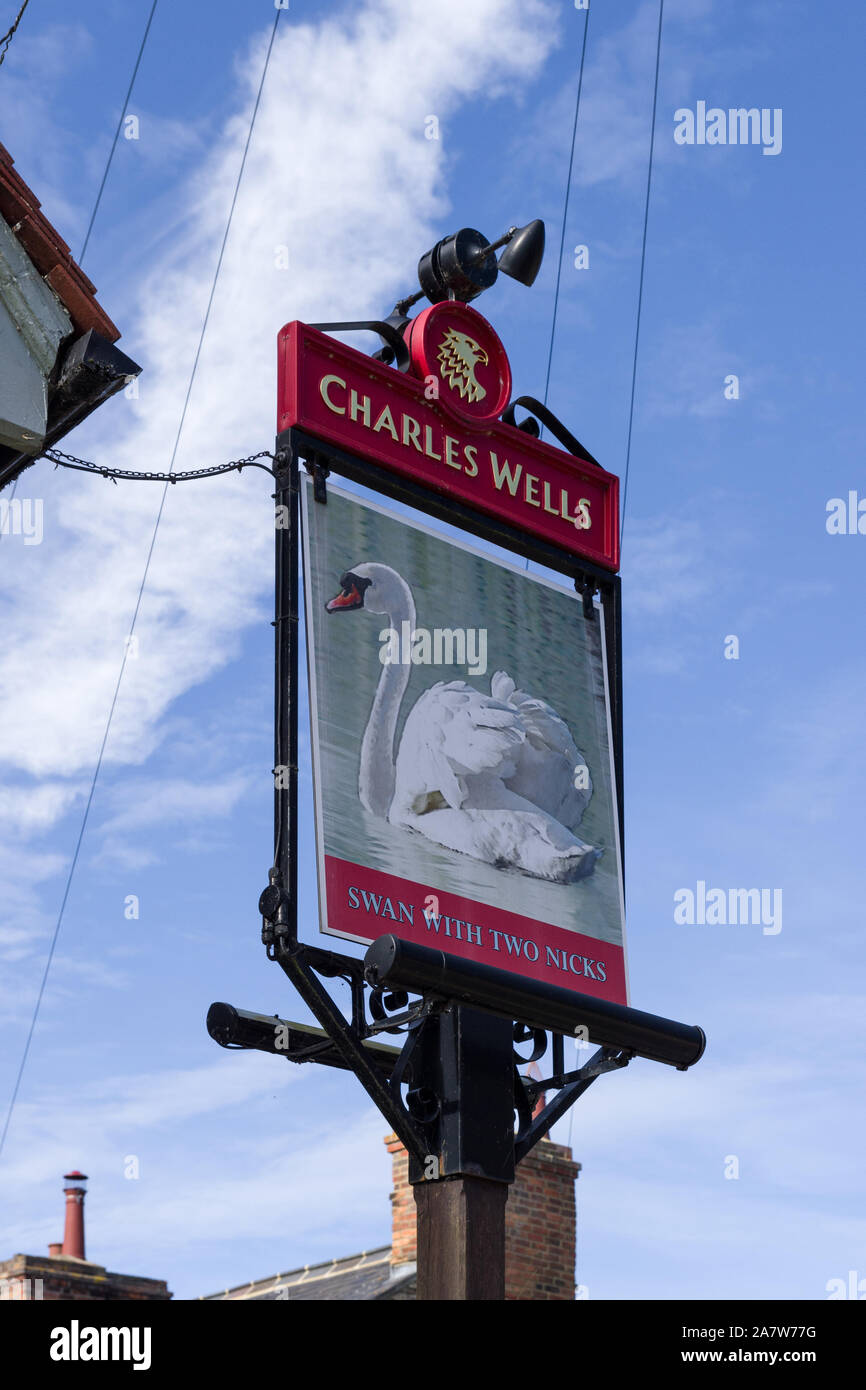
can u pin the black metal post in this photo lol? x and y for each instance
(466, 1059)
(284, 876)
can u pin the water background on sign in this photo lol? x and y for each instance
(535, 632)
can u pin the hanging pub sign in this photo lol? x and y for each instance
(438, 425)
(462, 748)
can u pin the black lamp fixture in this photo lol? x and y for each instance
(461, 266)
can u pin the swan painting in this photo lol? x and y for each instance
(495, 776)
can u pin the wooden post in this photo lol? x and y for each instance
(466, 1059)
(461, 1239)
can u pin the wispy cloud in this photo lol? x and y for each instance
(314, 176)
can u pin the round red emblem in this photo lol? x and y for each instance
(454, 347)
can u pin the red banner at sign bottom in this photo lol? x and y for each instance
(364, 904)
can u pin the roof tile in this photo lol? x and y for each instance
(49, 252)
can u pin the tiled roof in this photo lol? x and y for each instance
(46, 248)
(354, 1277)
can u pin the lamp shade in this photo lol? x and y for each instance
(524, 253)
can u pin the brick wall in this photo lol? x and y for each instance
(540, 1225)
(539, 1222)
(55, 1279)
(403, 1217)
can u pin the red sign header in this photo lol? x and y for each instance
(438, 425)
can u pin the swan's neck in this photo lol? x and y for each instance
(376, 777)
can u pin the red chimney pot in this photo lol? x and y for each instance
(73, 1232)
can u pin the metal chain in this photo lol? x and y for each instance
(61, 460)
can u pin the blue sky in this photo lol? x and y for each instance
(745, 773)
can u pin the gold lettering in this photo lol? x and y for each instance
(504, 473)
(530, 483)
(324, 384)
(450, 450)
(582, 519)
(361, 407)
(412, 433)
(428, 443)
(547, 507)
(386, 422)
(470, 451)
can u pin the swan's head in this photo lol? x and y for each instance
(376, 588)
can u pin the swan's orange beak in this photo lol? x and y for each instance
(345, 599)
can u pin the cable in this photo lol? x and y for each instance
(7, 37)
(138, 601)
(117, 132)
(564, 220)
(565, 209)
(642, 265)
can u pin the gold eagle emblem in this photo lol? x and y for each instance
(459, 355)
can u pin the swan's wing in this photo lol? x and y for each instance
(549, 759)
(454, 732)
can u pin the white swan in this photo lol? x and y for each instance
(492, 776)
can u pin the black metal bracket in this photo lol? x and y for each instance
(395, 351)
(570, 1086)
(587, 589)
(547, 417)
(317, 467)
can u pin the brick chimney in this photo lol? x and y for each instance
(64, 1274)
(73, 1233)
(539, 1222)
(404, 1221)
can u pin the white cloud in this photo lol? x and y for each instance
(145, 803)
(665, 563)
(340, 172)
(691, 369)
(27, 809)
(22, 921)
(265, 1174)
(47, 57)
(612, 144)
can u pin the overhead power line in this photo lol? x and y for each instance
(166, 485)
(642, 266)
(117, 131)
(565, 208)
(565, 217)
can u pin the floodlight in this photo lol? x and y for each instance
(406, 965)
(524, 253)
(297, 1042)
(461, 266)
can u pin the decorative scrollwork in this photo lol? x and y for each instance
(522, 1034)
(384, 1003)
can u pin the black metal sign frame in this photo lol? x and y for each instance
(453, 1090)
